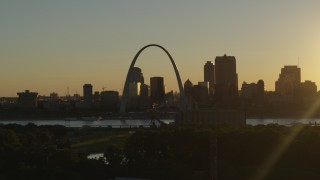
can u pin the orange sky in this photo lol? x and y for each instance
(49, 46)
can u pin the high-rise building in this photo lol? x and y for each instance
(87, 95)
(200, 94)
(209, 75)
(136, 75)
(157, 89)
(226, 77)
(289, 80)
(144, 90)
(260, 90)
(134, 89)
(205, 84)
(27, 99)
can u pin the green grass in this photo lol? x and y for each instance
(99, 144)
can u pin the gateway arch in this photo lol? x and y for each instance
(125, 93)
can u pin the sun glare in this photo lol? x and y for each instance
(274, 157)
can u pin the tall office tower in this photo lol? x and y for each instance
(144, 90)
(226, 77)
(157, 89)
(87, 95)
(209, 75)
(134, 89)
(289, 80)
(260, 90)
(136, 75)
(205, 84)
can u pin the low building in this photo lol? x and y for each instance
(27, 99)
(110, 100)
(248, 91)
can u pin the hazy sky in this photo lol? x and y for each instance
(47, 46)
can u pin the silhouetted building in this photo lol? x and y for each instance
(209, 75)
(96, 97)
(134, 89)
(144, 99)
(260, 90)
(87, 95)
(76, 96)
(253, 92)
(289, 80)
(54, 96)
(157, 89)
(204, 84)
(136, 75)
(307, 89)
(169, 99)
(144, 90)
(248, 91)
(200, 94)
(226, 78)
(188, 88)
(27, 99)
(110, 100)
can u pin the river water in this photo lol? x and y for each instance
(147, 123)
(98, 123)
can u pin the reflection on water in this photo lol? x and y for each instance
(283, 121)
(95, 156)
(147, 123)
(100, 123)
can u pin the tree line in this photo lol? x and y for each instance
(44, 152)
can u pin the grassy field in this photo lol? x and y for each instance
(98, 143)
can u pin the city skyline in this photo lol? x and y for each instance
(49, 46)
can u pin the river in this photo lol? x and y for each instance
(148, 123)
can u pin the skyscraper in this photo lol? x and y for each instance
(209, 75)
(157, 89)
(289, 80)
(87, 95)
(226, 77)
(134, 89)
(144, 90)
(136, 75)
(260, 90)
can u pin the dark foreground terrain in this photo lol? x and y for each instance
(261, 152)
